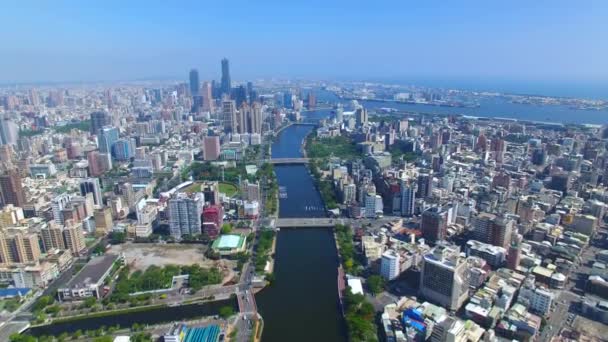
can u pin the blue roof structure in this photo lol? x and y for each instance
(14, 292)
(207, 334)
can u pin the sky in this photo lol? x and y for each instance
(476, 41)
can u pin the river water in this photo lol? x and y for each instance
(154, 316)
(497, 107)
(302, 304)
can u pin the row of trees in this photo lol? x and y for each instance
(263, 249)
(359, 313)
(325, 186)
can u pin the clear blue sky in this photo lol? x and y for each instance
(474, 40)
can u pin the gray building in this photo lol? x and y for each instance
(185, 214)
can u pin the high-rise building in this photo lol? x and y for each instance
(74, 237)
(255, 119)
(52, 237)
(253, 191)
(211, 148)
(434, 224)
(91, 185)
(213, 219)
(425, 185)
(226, 85)
(103, 221)
(408, 198)
(106, 138)
(240, 95)
(123, 149)
(94, 166)
(361, 116)
(207, 95)
(19, 248)
(58, 204)
(389, 265)
(229, 119)
(194, 83)
(98, 121)
(492, 230)
(9, 132)
(311, 100)
(288, 100)
(445, 278)
(11, 189)
(185, 214)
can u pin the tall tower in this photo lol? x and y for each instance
(106, 139)
(194, 83)
(226, 83)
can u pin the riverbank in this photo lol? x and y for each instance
(148, 315)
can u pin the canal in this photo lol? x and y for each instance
(126, 320)
(302, 303)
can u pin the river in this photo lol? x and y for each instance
(302, 303)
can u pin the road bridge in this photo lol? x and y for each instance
(282, 161)
(309, 222)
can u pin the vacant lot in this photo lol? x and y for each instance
(140, 256)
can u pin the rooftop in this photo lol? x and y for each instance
(229, 241)
(93, 271)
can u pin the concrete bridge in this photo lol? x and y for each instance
(279, 161)
(309, 222)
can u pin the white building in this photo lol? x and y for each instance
(389, 265)
(185, 214)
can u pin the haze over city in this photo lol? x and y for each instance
(472, 42)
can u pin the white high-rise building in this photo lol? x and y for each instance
(445, 278)
(389, 265)
(185, 214)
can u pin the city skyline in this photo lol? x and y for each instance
(474, 42)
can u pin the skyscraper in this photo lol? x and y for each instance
(226, 85)
(207, 97)
(408, 198)
(444, 279)
(185, 214)
(434, 224)
(194, 83)
(361, 116)
(98, 121)
(229, 116)
(91, 185)
(425, 185)
(240, 95)
(106, 138)
(493, 230)
(12, 189)
(255, 121)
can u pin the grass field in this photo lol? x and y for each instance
(229, 189)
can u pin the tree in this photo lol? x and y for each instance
(117, 238)
(226, 228)
(89, 302)
(226, 311)
(375, 283)
(43, 302)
